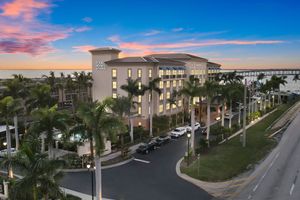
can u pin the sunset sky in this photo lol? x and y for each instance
(57, 34)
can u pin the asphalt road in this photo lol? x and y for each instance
(156, 180)
(280, 179)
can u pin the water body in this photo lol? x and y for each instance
(4, 74)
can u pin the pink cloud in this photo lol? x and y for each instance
(83, 48)
(26, 9)
(83, 29)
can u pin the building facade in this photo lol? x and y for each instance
(110, 72)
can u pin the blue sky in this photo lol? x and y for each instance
(236, 34)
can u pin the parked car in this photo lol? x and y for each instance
(163, 139)
(189, 127)
(145, 148)
(3, 152)
(178, 132)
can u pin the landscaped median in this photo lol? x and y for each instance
(227, 160)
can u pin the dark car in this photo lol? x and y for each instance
(163, 139)
(146, 147)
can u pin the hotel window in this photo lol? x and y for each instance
(193, 72)
(139, 72)
(161, 96)
(168, 95)
(179, 103)
(140, 85)
(129, 73)
(114, 85)
(174, 72)
(149, 97)
(173, 106)
(168, 72)
(114, 73)
(180, 83)
(174, 84)
(161, 108)
(161, 73)
(139, 99)
(168, 106)
(150, 73)
(161, 85)
(167, 84)
(139, 110)
(114, 95)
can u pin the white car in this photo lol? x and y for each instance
(178, 132)
(189, 127)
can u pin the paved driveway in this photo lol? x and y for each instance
(156, 180)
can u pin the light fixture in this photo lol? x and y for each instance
(4, 143)
(88, 166)
(188, 135)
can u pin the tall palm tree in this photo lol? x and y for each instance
(40, 175)
(48, 123)
(173, 101)
(231, 77)
(152, 87)
(276, 83)
(296, 77)
(18, 89)
(120, 107)
(192, 89)
(133, 90)
(8, 109)
(210, 90)
(235, 93)
(102, 124)
(260, 77)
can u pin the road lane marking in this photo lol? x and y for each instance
(294, 182)
(292, 189)
(262, 178)
(140, 160)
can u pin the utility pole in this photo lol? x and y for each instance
(244, 114)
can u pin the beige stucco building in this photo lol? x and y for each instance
(110, 72)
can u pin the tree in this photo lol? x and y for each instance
(133, 90)
(40, 175)
(235, 93)
(192, 89)
(152, 87)
(120, 106)
(210, 91)
(173, 101)
(18, 89)
(102, 124)
(296, 77)
(48, 123)
(276, 82)
(231, 77)
(8, 109)
(40, 97)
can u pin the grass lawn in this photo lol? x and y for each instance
(230, 159)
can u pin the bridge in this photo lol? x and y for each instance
(266, 72)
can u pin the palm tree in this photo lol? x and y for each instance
(102, 124)
(276, 83)
(210, 90)
(18, 89)
(120, 106)
(173, 101)
(40, 97)
(260, 77)
(152, 87)
(192, 89)
(133, 90)
(40, 175)
(8, 109)
(296, 77)
(235, 93)
(48, 123)
(231, 77)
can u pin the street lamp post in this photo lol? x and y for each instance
(188, 149)
(244, 114)
(92, 178)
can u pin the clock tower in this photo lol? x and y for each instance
(102, 73)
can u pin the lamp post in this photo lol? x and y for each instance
(188, 149)
(92, 178)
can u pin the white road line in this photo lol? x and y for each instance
(292, 189)
(250, 196)
(143, 161)
(261, 179)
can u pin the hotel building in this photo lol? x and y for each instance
(110, 72)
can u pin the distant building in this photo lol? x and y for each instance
(110, 72)
(212, 70)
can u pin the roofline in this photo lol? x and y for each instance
(104, 49)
